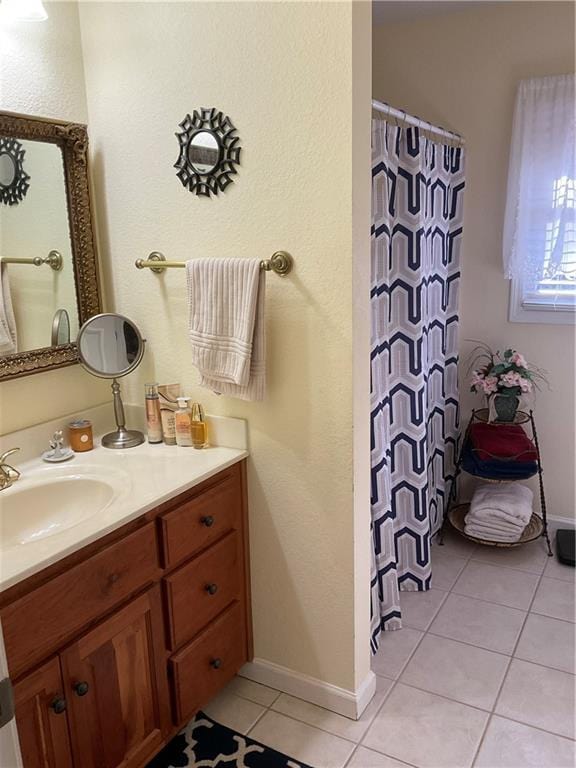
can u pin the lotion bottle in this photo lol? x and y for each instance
(153, 420)
(183, 419)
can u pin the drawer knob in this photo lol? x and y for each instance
(207, 520)
(216, 663)
(81, 689)
(58, 705)
(211, 588)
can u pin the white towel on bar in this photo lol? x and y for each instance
(8, 336)
(226, 325)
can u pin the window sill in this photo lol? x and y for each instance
(544, 315)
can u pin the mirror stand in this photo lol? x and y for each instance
(122, 437)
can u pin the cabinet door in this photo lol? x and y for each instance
(41, 717)
(116, 684)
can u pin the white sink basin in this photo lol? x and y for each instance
(52, 501)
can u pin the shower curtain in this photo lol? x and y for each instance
(417, 197)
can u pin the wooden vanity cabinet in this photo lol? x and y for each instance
(115, 648)
(42, 719)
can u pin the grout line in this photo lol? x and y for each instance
(536, 727)
(501, 653)
(508, 567)
(379, 752)
(255, 723)
(502, 605)
(555, 578)
(505, 676)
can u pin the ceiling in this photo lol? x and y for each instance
(391, 11)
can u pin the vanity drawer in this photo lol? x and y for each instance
(51, 614)
(204, 666)
(201, 589)
(200, 521)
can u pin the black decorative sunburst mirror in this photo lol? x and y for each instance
(209, 152)
(14, 181)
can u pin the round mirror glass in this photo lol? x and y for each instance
(204, 152)
(7, 170)
(110, 345)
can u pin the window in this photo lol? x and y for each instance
(539, 244)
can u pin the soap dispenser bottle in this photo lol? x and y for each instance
(183, 420)
(199, 427)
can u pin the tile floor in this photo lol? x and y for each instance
(482, 675)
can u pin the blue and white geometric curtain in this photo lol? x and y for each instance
(417, 198)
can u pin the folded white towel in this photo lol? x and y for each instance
(226, 325)
(8, 336)
(496, 525)
(480, 532)
(506, 502)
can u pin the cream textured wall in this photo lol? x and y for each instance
(41, 73)
(461, 70)
(283, 73)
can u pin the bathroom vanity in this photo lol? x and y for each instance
(116, 645)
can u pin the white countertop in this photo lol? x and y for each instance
(148, 475)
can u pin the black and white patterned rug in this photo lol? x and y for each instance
(207, 744)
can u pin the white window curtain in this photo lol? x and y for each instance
(539, 243)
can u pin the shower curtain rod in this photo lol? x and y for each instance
(399, 114)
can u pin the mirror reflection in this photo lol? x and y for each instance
(110, 345)
(7, 170)
(204, 152)
(60, 328)
(33, 286)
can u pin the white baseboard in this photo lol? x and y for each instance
(564, 522)
(340, 700)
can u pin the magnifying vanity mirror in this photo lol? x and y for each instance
(110, 346)
(47, 254)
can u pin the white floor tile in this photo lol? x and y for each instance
(461, 672)
(425, 730)
(547, 641)
(555, 598)
(487, 625)
(454, 544)
(445, 568)
(556, 570)
(530, 557)
(419, 608)
(512, 745)
(383, 684)
(367, 758)
(301, 741)
(326, 720)
(248, 689)
(234, 712)
(505, 586)
(395, 650)
(538, 696)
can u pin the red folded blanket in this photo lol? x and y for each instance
(492, 441)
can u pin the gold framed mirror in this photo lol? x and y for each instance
(48, 260)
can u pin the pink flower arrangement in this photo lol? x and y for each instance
(505, 374)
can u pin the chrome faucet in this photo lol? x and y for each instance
(7, 472)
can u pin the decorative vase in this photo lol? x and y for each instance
(506, 407)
